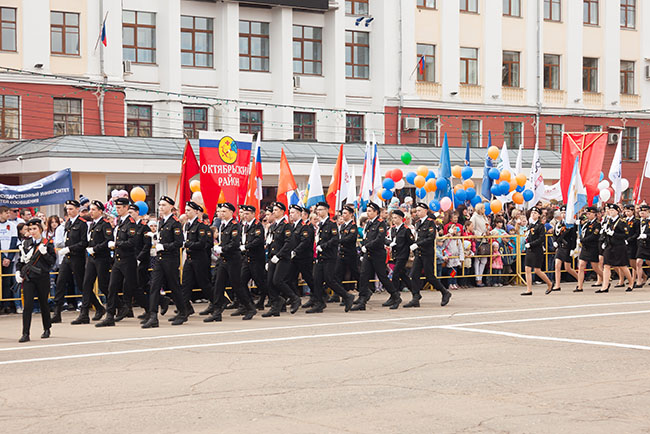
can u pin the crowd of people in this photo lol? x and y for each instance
(249, 260)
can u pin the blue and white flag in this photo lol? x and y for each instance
(577, 197)
(615, 171)
(314, 193)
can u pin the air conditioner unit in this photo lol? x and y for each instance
(612, 138)
(296, 82)
(126, 67)
(411, 124)
(647, 72)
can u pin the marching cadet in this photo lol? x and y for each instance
(73, 257)
(565, 242)
(36, 258)
(400, 241)
(124, 270)
(589, 246)
(165, 272)
(327, 242)
(347, 260)
(98, 263)
(143, 258)
(254, 255)
(643, 244)
(423, 249)
(615, 233)
(280, 245)
(198, 242)
(534, 245)
(373, 260)
(302, 255)
(633, 229)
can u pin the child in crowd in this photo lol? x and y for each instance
(441, 260)
(497, 264)
(466, 282)
(455, 255)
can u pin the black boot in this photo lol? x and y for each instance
(397, 300)
(83, 318)
(208, 310)
(260, 303)
(276, 307)
(295, 304)
(109, 321)
(122, 313)
(317, 308)
(46, 334)
(415, 301)
(56, 316)
(249, 313)
(152, 322)
(24, 338)
(164, 305)
(445, 298)
(99, 313)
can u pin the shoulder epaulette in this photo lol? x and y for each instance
(131, 219)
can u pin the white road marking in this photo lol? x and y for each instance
(305, 337)
(328, 324)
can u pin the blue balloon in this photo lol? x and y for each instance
(471, 193)
(457, 202)
(520, 188)
(504, 187)
(466, 172)
(430, 175)
(434, 205)
(386, 194)
(420, 193)
(488, 210)
(494, 173)
(410, 177)
(596, 199)
(528, 195)
(495, 190)
(142, 207)
(602, 175)
(461, 195)
(388, 184)
(475, 200)
(442, 183)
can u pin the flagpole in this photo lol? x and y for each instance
(645, 165)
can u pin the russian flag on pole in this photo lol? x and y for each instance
(254, 193)
(103, 37)
(577, 197)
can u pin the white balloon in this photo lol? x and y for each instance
(197, 197)
(625, 184)
(604, 184)
(399, 184)
(605, 195)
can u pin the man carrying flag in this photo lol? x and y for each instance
(286, 182)
(189, 169)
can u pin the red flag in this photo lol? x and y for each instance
(286, 182)
(335, 184)
(637, 184)
(189, 169)
(589, 148)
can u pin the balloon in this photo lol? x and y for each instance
(457, 187)
(410, 177)
(468, 183)
(388, 184)
(430, 185)
(493, 152)
(520, 188)
(467, 172)
(475, 200)
(518, 198)
(387, 194)
(602, 175)
(471, 193)
(430, 175)
(625, 184)
(504, 187)
(456, 171)
(611, 192)
(419, 181)
(195, 185)
(434, 205)
(442, 184)
(505, 175)
(521, 179)
(605, 195)
(493, 173)
(461, 195)
(457, 202)
(528, 195)
(445, 203)
(197, 197)
(496, 206)
(422, 171)
(142, 207)
(595, 200)
(397, 175)
(388, 174)
(420, 193)
(488, 211)
(603, 184)
(138, 194)
(406, 158)
(495, 190)
(513, 185)
(399, 184)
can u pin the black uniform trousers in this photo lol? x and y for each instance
(372, 265)
(425, 263)
(123, 276)
(324, 271)
(401, 275)
(304, 266)
(40, 288)
(196, 274)
(96, 269)
(254, 270)
(278, 275)
(165, 274)
(229, 271)
(345, 265)
(143, 284)
(71, 269)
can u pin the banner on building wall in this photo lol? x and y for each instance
(224, 163)
(51, 190)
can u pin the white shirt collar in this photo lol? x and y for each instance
(191, 221)
(97, 220)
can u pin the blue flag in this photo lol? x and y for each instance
(467, 154)
(54, 189)
(486, 185)
(444, 171)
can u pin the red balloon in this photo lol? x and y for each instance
(396, 175)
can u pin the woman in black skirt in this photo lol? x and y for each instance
(643, 244)
(615, 232)
(535, 252)
(589, 246)
(565, 242)
(632, 222)
(36, 259)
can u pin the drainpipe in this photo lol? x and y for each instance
(101, 70)
(539, 71)
(399, 90)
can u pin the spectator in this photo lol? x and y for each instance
(481, 229)
(455, 254)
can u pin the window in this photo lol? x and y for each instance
(196, 41)
(590, 12)
(469, 65)
(357, 57)
(356, 7)
(253, 46)
(628, 14)
(551, 71)
(9, 113)
(307, 50)
(510, 70)
(7, 29)
(472, 133)
(512, 134)
(67, 116)
(195, 119)
(512, 8)
(64, 33)
(250, 121)
(589, 74)
(552, 10)
(428, 132)
(427, 4)
(139, 36)
(426, 62)
(629, 143)
(553, 137)
(304, 126)
(138, 120)
(627, 77)
(593, 128)
(354, 128)
(469, 6)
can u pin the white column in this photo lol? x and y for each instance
(408, 48)
(226, 55)
(610, 65)
(450, 48)
(492, 56)
(168, 57)
(573, 59)
(643, 24)
(334, 71)
(36, 18)
(281, 52)
(532, 58)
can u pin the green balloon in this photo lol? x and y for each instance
(406, 158)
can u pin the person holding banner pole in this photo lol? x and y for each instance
(615, 233)
(589, 248)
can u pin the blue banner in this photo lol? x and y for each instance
(51, 190)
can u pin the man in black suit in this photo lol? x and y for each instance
(254, 255)
(400, 241)
(348, 257)
(302, 255)
(198, 242)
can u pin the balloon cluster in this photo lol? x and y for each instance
(138, 196)
(606, 191)
(197, 196)
(393, 181)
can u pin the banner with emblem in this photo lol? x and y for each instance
(224, 163)
(52, 190)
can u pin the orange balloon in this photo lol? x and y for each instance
(513, 185)
(493, 152)
(505, 175)
(222, 197)
(422, 171)
(521, 179)
(138, 194)
(419, 181)
(430, 185)
(456, 171)
(496, 206)
(468, 183)
(195, 185)
(518, 198)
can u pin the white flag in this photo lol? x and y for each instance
(314, 193)
(577, 196)
(536, 180)
(520, 160)
(345, 184)
(615, 171)
(352, 187)
(646, 173)
(376, 174)
(504, 164)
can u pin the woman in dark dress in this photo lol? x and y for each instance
(535, 252)
(36, 259)
(643, 244)
(615, 232)
(565, 242)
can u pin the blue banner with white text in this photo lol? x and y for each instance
(52, 190)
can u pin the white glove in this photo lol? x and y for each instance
(43, 249)
(643, 236)
(293, 254)
(150, 234)
(217, 249)
(159, 247)
(275, 259)
(363, 249)
(555, 244)
(571, 253)
(111, 244)
(64, 251)
(19, 278)
(319, 249)
(603, 246)
(413, 247)
(242, 248)
(266, 266)
(527, 245)
(152, 251)
(137, 262)
(393, 244)
(90, 250)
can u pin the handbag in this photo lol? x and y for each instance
(483, 248)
